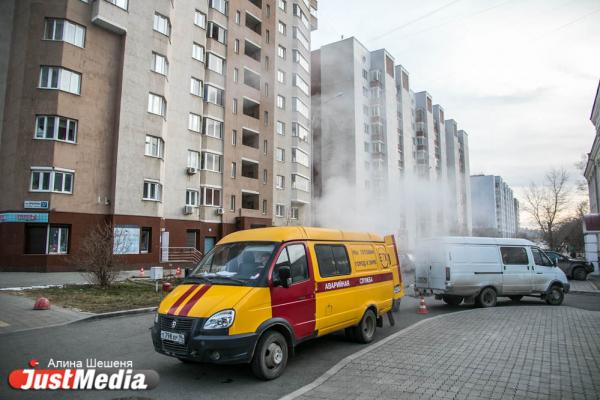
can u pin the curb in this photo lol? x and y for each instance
(341, 364)
(92, 317)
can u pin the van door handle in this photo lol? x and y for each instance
(540, 273)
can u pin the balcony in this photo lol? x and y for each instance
(249, 169)
(250, 200)
(250, 138)
(253, 23)
(109, 16)
(252, 50)
(251, 79)
(300, 196)
(251, 108)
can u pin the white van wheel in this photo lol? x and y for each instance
(555, 296)
(487, 297)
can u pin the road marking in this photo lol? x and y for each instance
(3, 324)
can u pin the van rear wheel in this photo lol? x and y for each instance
(270, 356)
(365, 331)
(487, 297)
(452, 300)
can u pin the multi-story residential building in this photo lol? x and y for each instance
(459, 182)
(494, 207)
(591, 226)
(178, 122)
(375, 138)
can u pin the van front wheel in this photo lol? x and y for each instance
(555, 296)
(487, 297)
(270, 356)
(364, 332)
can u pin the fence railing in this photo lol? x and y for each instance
(182, 255)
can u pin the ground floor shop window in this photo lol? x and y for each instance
(47, 239)
(132, 239)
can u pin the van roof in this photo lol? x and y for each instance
(287, 233)
(481, 240)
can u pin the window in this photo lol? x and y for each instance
(46, 239)
(193, 159)
(236, 75)
(145, 240)
(152, 191)
(61, 79)
(279, 210)
(213, 128)
(200, 19)
(250, 200)
(280, 182)
(234, 137)
(281, 28)
(198, 52)
(282, 4)
(299, 59)
(211, 196)
(58, 239)
(216, 32)
(238, 17)
(232, 202)
(51, 180)
(540, 258)
(281, 52)
(211, 162)
(215, 63)
(299, 106)
(53, 127)
(194, 122)
(514, 256)
(236, 46)
(299, 131)
(233, 170)
(332, 260)
(119, 3)
(301, 84)
(265, 176)
(280, 76)
(266, 118)
(300, 157)
(293, 255)
(160, 65)
(266, 89)
(268, 36)
(219, 5)
(162, 24)
(294, 212)
(280, 128)
(191, 198)
(265, 147)
(280, 102)
(213, 95)
(154, 146)
(196, 87)
(157, 104)
(66, 31)
(234, 106)
(264, 206)
(301, 38)
(300, 14)
(300, 182)
(280, 154)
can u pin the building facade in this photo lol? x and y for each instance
(177, 122)
(495, 209)
(591, 227)
(381, 148)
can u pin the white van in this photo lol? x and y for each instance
(479, 270)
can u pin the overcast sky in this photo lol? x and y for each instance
(519, 76)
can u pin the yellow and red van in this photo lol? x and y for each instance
(260, 292)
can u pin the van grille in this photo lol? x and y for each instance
(181, 324)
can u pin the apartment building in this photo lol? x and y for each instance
(459, 182)
(177, 121)
(591, 226)
(381, 148)
(495, 209)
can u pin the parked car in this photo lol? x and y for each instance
(478, 270)
(574, 268)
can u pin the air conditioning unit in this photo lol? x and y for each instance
(191, 170)
(220, 211)
(187, 210)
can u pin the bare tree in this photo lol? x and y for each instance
(546, 203)
(100, 255)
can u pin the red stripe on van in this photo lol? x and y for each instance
(351, 282)
(181, 299)
(188, 306)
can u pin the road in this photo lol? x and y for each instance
(128, 338)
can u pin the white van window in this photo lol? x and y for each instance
(514, 256)
(332, 260)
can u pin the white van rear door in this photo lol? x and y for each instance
(430, 266)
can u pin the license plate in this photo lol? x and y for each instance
(173, 337)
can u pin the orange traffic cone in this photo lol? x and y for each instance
(422, 307)
(141, 272)
(178, 272)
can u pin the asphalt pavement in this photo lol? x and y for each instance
(128, 338)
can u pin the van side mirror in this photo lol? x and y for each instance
(285, 276)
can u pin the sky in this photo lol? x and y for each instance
(519, 76)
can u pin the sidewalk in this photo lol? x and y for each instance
(500, 353)
(17, 314)
(28, 279)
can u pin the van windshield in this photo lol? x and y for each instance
(242, 264)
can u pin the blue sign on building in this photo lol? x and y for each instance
(23, 217)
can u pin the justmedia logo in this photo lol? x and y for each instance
(82, 379)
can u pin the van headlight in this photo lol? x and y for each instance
(222, 319)
(156, 318)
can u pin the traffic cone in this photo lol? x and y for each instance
(178, 272)
(422, 307)
(141, 272)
